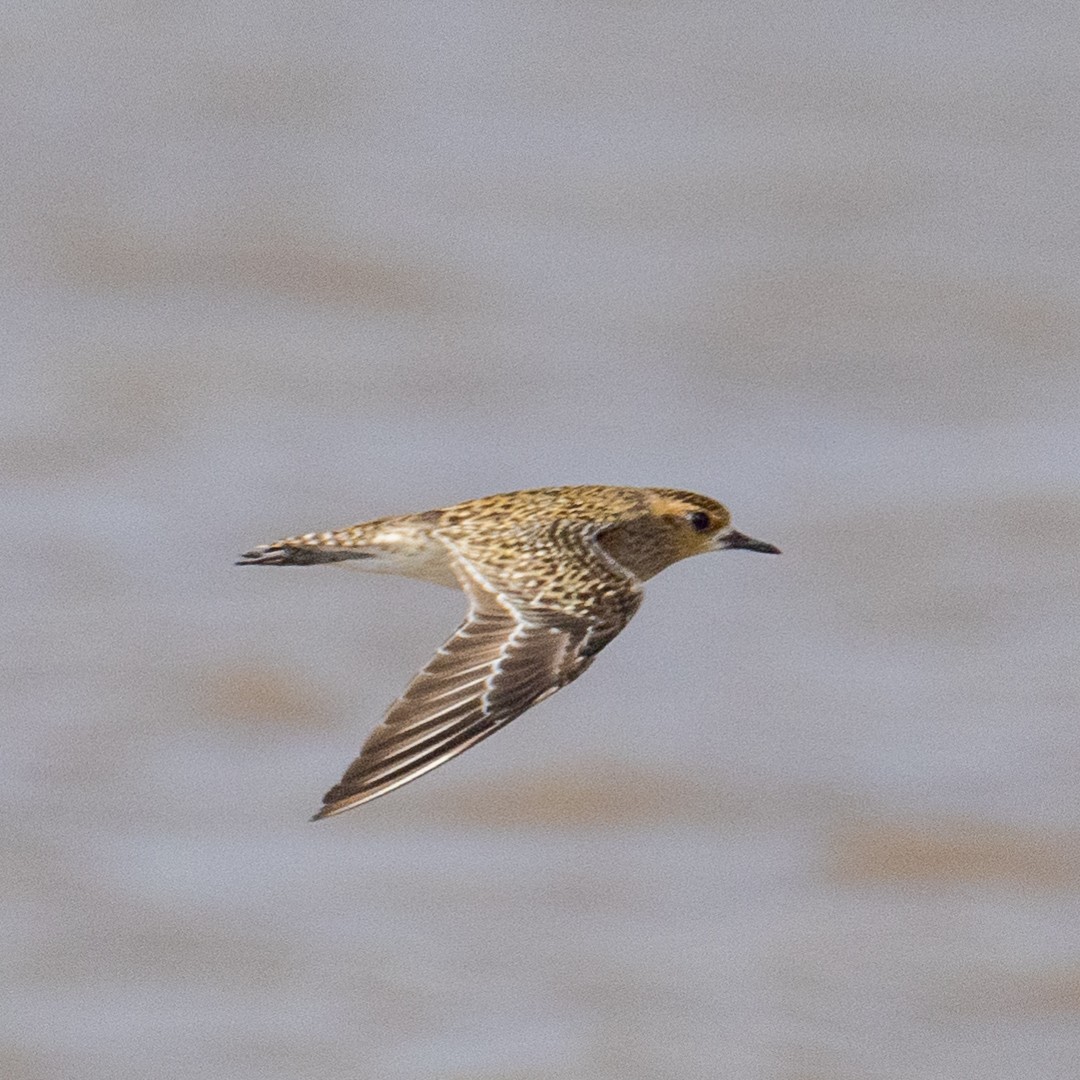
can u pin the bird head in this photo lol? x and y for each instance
(675, 525)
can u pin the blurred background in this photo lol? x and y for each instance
(279, 267)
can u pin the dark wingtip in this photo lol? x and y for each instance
(330, 800)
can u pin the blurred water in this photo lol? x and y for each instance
(280, 268)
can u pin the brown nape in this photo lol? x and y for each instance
(644, 545)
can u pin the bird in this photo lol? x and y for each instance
(551, 575)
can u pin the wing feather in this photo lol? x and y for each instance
(503, 659)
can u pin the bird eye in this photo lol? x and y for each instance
(699, 520)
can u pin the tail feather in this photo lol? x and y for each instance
(298, 553)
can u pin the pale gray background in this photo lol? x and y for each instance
(285, 266)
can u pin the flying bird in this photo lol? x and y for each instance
(552, 575)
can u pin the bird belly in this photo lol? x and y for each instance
(407, 555)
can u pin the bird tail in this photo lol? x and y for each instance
(289, 553)
(313, 548)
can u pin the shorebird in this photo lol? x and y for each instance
(552, 575)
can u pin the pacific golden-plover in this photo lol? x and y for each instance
(552, 575)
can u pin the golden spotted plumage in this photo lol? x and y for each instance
(552, 575)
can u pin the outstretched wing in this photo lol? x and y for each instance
(501, 661)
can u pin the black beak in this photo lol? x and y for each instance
(735, 539)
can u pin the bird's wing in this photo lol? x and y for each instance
(504, 658)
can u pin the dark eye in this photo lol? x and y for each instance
(699, 520)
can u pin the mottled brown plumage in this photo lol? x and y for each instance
(552, 575)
